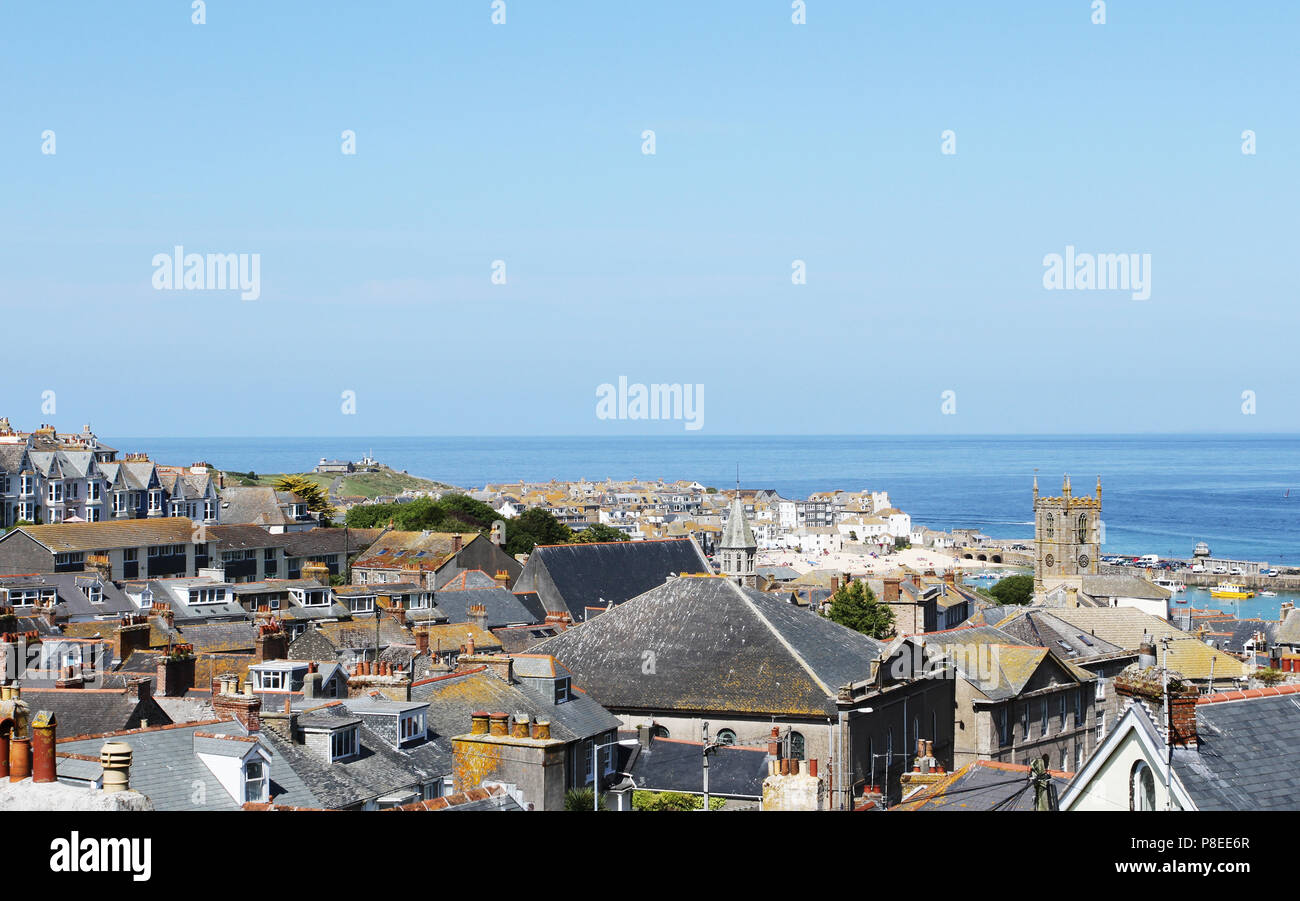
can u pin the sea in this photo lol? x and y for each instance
(1161, 494)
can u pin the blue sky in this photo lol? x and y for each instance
(774, 142)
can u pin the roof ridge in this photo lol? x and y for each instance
(781, 638)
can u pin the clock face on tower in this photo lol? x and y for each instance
(1083, 561)
(1050, 560)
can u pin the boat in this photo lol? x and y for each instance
(1171, 585)
(1268, 594)
(1231, 590)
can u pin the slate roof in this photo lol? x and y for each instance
(164, 766)
(241, 537)
(255, 505)
(454, 699)
(1015, 664)
(321, 541)
(672, 765)
(1289, 631)
(1119, 586)
(1124, 626)
(90, 711)
(714, 646)
(572, 577)
(90, 536)
(470, 578)
(982, 785)
(72, 601)
(504, 607)
(1248, 756)
(1036, 626)
(518, 639)
(425, 551)
(378, 770)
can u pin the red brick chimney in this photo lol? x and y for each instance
(131, 634)
(243, 707)
(891, 589)
(456, 543)
(835, 584)
(272, 642)
(1182, 718)
(175, 672)
(422, 641)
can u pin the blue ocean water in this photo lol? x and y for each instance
(1161, 493)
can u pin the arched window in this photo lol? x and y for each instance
(796, 746)
(660, 732)
(726, 737)
(1083, 528)
(1142, 788)
(1049, 525)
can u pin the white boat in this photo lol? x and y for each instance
(1171, 585)
(1268, 594)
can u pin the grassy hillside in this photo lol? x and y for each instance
(362, 484)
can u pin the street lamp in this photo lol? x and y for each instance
(595, 766)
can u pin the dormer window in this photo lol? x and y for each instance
(256, 781)
(362, 603)
(421, 601)
(271, 680)
(344, 743)
(563, 690)
(311, 597)
(208, 596)
(411, 727)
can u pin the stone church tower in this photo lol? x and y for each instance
(1067, 539)
(738, 547)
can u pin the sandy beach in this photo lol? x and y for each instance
(914, 558)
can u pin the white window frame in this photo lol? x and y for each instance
(344, 743)
(263, 782)
(271, 680)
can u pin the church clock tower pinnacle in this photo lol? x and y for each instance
(1067, 538)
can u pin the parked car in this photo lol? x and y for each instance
(1271, 572)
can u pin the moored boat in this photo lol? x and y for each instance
(1231, 590)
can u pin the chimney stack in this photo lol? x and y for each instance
(478, 615)
(503, 579)
(1147, 651)
(892, 584)
(43, 742)
(456, 543)
(422, 641)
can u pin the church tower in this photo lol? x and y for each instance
(1067, 538)
(738, 547)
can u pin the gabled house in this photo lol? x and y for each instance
(1237, 750)
(1016, 702)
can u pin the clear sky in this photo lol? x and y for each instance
(774, 142)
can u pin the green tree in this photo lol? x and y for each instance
(854, 605)
(533, 527)
(312, 494)
(1014, 590)
(656, 801)
(599, 532)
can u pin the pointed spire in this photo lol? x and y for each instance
(1099, 487)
